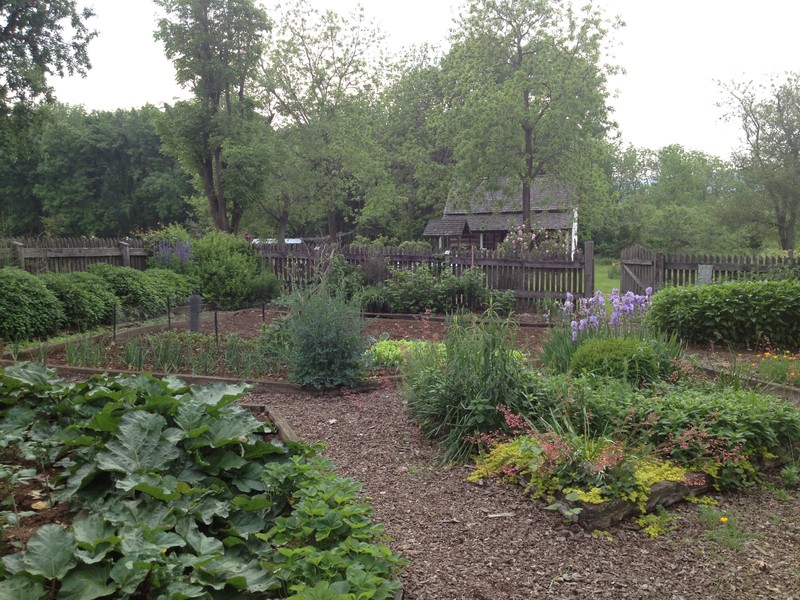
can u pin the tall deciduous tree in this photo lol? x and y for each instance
(37, 40)
(770, 158)
(529, 89)
(419, 149)
(216, 47)
(322, 75)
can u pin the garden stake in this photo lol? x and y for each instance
(263, 312)
(216, 329)
(169, 317)
(114, 323)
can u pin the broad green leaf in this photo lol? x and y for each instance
(127, 574)
(21, 587)
(218, 395)
(201, 543)
(17, 419)
(139, 445)
(50, 552)
(35, 375)
(87, 582)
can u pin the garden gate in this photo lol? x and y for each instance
(640, 268)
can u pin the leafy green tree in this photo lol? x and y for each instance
(99, 173)
(770, 158)
(529, 86)
(216, 47)
(37, 40)
(418, 147)
(321, 76)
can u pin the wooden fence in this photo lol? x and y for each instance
(63, 255)
(529, 277)
(641, 268)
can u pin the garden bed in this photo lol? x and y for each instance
(231, 335)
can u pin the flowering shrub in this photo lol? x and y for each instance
(541, 241)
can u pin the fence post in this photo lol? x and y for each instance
(588, 268)
(658, 272)
(19, 254)
(125, 253)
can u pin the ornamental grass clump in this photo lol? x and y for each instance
(454, 393)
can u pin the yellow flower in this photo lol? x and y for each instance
(723, 520)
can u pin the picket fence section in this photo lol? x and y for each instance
(528, 277)
(64, 255)
(642, 267)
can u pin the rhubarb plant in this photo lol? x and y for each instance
(175, 491)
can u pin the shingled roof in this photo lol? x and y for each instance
(546, 195)
(506, 221)
(456, 226)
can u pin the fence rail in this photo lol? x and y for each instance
(64, 255)
(528, 277)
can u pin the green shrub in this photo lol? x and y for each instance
(264, 287)
(173, 285)
(715, 430)
(622, 358)
(28, 309)
(325, 344)
(225, 267)
(416, 291)
(88, 302)
(136, 292)
(455, 395)
(737, 313)
(169, 247)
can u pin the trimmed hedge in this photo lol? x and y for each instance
(621, 358)
(87, 299)
(28, 309)
(225, 267)
(737, 313)
(139, 295)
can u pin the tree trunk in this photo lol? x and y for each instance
(332, 226)
(221, 221)
(283, 222)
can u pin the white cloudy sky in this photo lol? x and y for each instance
(673, 52)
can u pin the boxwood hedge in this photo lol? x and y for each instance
(736, 313)
(27, 308)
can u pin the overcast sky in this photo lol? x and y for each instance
(673, 52)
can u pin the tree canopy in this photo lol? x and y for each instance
(216, 47)
(770, 158)
(528, 90)
(37, 40)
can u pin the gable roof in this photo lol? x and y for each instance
(546, 195)
(456, 226)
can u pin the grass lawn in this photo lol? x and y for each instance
(602, 281)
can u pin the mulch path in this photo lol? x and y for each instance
(490, 542)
